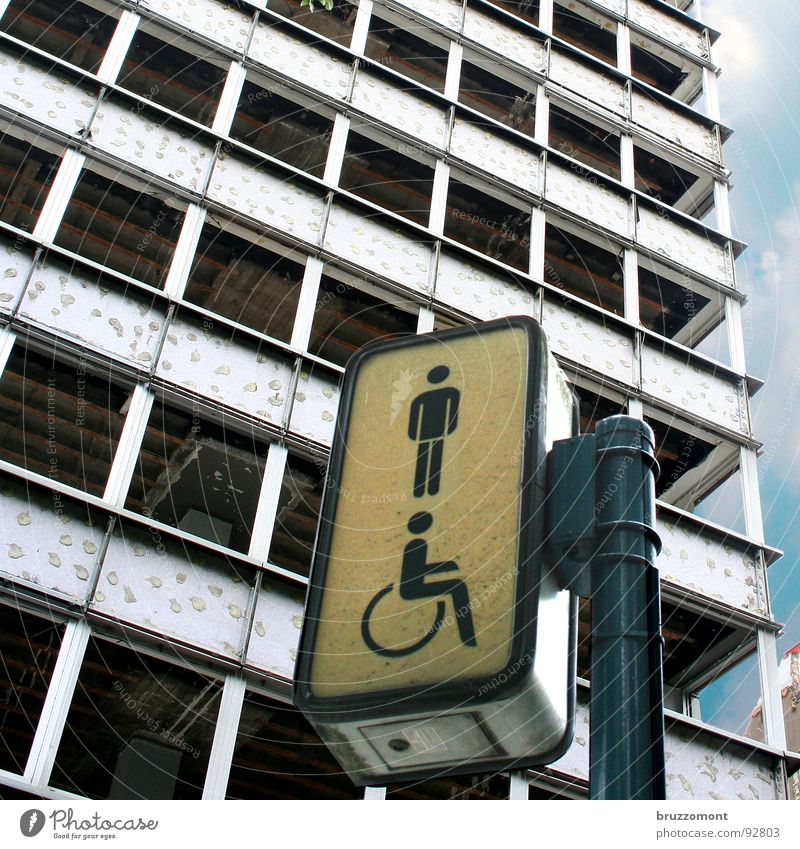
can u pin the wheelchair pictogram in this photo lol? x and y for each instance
(414, 586)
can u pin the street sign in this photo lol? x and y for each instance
(434, 640)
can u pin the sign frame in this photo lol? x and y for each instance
(441, 696)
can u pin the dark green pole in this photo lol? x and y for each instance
(626, 706)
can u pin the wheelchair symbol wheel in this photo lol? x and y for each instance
(375, 646)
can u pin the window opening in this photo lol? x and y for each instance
(399, 48)
(677, 453)
(587, 30)
(528, 10)
(664, 70)
(59, 420)
(670, 308)
(498, 98)
(336, 24)
(278, 755)
(582, 268)
(73, 31)
(580, 139)
(122, 228)
(347, 317)
(26, 175)
(668, 182)
(489, 225)
(281, 127)
(298, 514)
(171, 77)
(245, 282)
(138, 727)
(387, 177)
(198, 476)
(29, 648)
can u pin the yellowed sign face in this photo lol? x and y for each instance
(421, 577)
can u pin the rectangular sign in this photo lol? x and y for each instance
(420, 651)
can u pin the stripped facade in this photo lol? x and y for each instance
(204, 211)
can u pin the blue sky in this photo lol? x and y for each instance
(760, 101)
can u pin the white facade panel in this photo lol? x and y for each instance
(47, 540)
(399, 109)
(444, 12)
(674, 126)
(483, 295)
(173, 590)
(577, 190)
(586, 340)
(15, 263)
(125, 323)
(721, 568)
(378, 248)
(44, 96)
(700, 767)
(581, 78)
(219, 22)
(300, 61)
(509, 42)
(268, 197)
(670, 29)
(503, 159)
(227, 368)
(277, 622)
(146, 141)
(657, 231)
(316, 401)
(697, 390)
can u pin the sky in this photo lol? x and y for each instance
(760, 100)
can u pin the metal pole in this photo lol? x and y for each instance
(626, 707)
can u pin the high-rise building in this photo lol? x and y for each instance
(205, 209)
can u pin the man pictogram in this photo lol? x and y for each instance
(416, 569)
(433, 416)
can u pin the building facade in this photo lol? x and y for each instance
(205, 209)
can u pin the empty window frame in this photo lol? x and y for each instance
(138, 727)
(74, 32)
(594, 407)
(528, 10)
(583, 268)
(580, 139)
(695, 639)
(283, 124)
(169, 72)
(388, 177)
(29, 647)
(350, 314)
(671, 184)
(298, 514)
(583, 27)
(477, 218)
(510, 102)
(59, 420)
(198, 476)
(26, 174)
(278, 755)
(336, 24)
(675, 306)
(665, 70)
(732, 701)
(398, 47)
(120, 227)
(677, 452)
(245, 282)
